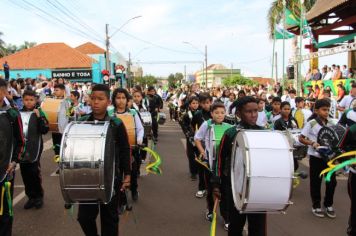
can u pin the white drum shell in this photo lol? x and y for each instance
(261, 171)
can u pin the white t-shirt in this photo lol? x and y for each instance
(346, 101)
(311, 130)
(262, 119)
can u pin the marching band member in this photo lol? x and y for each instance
(109, 215)
(210, 134)
(155, 104)
(345, 103)
(300, 114)
(262, 114)
(31, 172)
(275, 114)
(59, 93)
(203, 114)
(77, 109)
(247, 110)
(286, 122)
(316, 163)
(120, 98)
(188, 131)
(6, 216)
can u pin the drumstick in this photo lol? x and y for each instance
(213, 222)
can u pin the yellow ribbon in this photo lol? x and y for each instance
(331, 162)
(56, 158)
(153, 167)
(2, 200)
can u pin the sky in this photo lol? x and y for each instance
(234, 31)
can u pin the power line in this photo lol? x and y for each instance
(76, 18)
(30, 7)
(156, 45)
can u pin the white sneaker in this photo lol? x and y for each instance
(200, 193)
(318, 212)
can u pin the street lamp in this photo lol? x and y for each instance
(109, 37)
(205, 54)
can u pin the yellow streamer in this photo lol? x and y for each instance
(56, 158)
(2, 200)
(331, 162)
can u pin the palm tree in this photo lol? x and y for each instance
(2, 46)
(275, 13)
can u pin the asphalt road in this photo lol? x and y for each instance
(167, 205)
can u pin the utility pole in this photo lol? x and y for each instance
(107, 62)
(185, 73)
(128, 76)
(276, 67)
(206, 66)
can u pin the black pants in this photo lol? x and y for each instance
(210, 198)
(316, 165)
(6, 220)
(352, 193)
(191, 152)
(257, 223)
(135, 169)
(154, 124)
(109, 217)
(32, 179)
(56, 139)
(202, 183)
(296, 164)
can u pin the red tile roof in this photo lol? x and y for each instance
(263, 81)
(48, 56)
(90, 48)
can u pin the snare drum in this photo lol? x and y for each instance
(161, 118)
(87, 162)
(56, 111)
(6, 144)
(146, 122)
(32, 137)
(261, 171)
(299, 150)
(129, 122)
(230, 119)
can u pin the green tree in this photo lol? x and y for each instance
(238, 80)
(2, 46)
(148, 80)
(26, 45)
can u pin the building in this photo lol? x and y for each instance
(58, 60)
(216, 74)
(263, 81)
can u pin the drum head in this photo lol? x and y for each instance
(32, 137)
(109, 163)
(331, 136)
(6, 144)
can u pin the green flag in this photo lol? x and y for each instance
(291, 19)
(278, 33)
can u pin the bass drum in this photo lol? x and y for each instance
(6, 144)
(87, 162)
(146, 122)
(32, 137)
(130, 126)
(162, 118)
(261, 171)
(56, 113)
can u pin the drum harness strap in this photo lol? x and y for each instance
(216, 133)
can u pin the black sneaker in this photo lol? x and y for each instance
(134, 195)
(330, 212)
(209, 216)
(38, 203)
(29, 204)
(318, 212)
